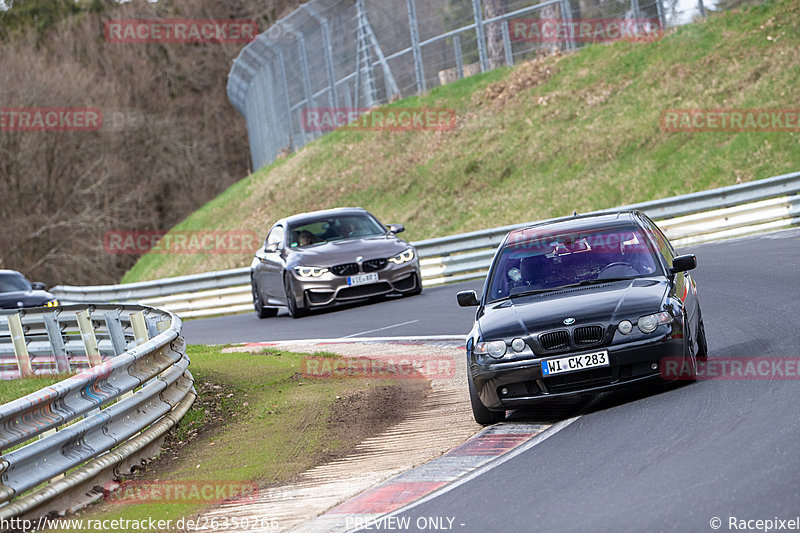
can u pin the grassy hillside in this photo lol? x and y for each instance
(577, 132)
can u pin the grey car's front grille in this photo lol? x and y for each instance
(347, 269)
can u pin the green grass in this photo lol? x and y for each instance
(586, 136)
(17, 388)
(274, 425)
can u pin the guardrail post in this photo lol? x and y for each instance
(116, 333)
(140, 334)
(89, 339)
(56, 342)
(480, 32)
(413, 26)
(20, 348)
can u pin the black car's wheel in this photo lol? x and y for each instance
(261, 311)
(689, 354)
(702, 343)
(483, 415)
(295, 310)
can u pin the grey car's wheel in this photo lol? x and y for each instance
(295, 310)
(483, 415)
(261, 311)
(702, 343)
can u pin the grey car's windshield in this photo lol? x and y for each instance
(14, 283)
(333, 228)
(534, 261)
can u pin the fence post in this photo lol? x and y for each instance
(507, 44)
(326, 37)
(566, 15)
(477, 11)
(20, 348)
(301, 46)
(459, 56)
(415, 49)
(660, 8)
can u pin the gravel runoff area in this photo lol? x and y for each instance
(443, 422)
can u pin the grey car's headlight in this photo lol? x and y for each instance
(403, 257)
(649, 323)
(496, 349)
(310, 272)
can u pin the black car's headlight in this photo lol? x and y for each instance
(51, 303)
(497, 349)
(649, 323)
(403, 257)
(310, 272)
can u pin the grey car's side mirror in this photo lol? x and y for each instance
(38, 286)
(271, 248)
(467, 299)
(396, 228)
(682, 263)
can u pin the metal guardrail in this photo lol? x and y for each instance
(62, 441)
(736, 210)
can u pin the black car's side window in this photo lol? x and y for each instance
(660, 239)
(275, 236)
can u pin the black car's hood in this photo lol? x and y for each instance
(591, 304)
(347, 250)
(12, 300)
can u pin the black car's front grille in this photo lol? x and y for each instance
(555, 340)
(373, 265)
(588, 335)
(347, 269)
(363, 291)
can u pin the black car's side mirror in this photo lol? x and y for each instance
(682, 263)
(271, 248)
(38, 286)
(467, 299)
(396, 228)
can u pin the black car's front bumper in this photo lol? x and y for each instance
(503, 385)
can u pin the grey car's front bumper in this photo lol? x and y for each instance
(330, 288)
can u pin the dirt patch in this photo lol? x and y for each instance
(362, 414)
(526, 76)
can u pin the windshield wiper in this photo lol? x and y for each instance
(590, 282)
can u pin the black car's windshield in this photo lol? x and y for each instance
(534, 261)
(12, 282)
(333, 228)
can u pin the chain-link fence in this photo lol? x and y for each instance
(340, 57)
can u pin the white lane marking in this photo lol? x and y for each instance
(541, 437)
(379, 329)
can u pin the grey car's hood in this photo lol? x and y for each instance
(347, 250)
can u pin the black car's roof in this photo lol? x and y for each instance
(586, 222)
(325, 212)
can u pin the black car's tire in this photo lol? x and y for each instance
(688, 351)
(702, 342)
(295, 310)
(483, 415)
(261, 311)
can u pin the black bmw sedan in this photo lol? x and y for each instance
(580, 305)
(17, 292)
